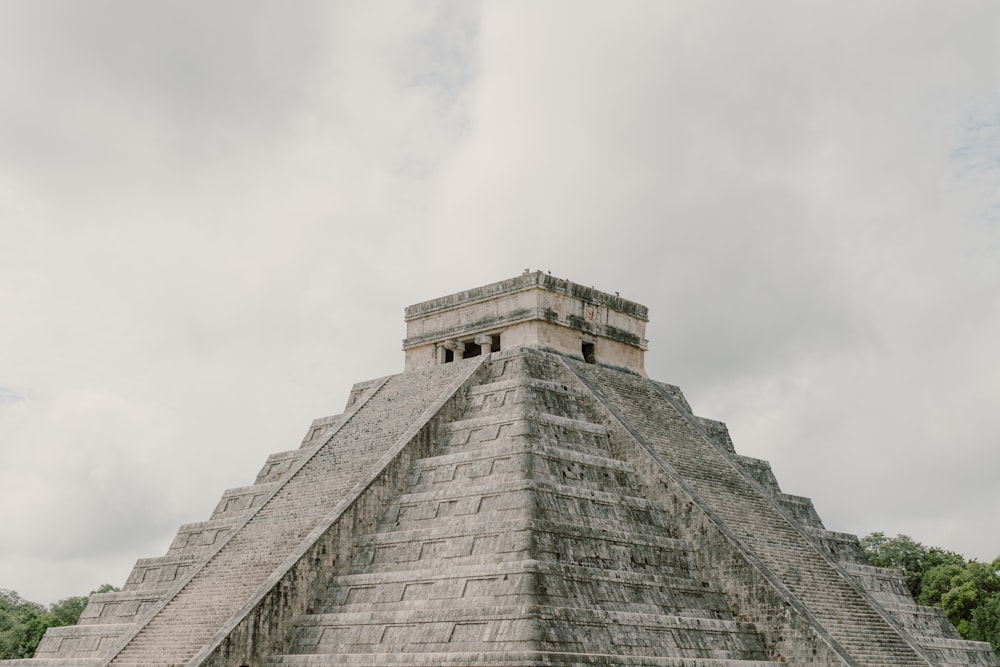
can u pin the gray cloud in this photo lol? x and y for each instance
(211, 219)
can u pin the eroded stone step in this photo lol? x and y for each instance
(507, 465)
(647, 534)
(160, 573)
(239, 500)
(507, 659)
(80, 641)
(520, 627)
(552, 495)
(570, 433)
(530, 582)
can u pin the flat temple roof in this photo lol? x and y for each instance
(529, 280)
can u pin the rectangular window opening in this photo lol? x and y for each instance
(588, 353)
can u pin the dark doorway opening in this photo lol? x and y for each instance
(472, 350)
(495, 345)
(588, 353)
(449, 356)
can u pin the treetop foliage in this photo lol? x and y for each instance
(968, 591)
(912, 558)
(22, 623)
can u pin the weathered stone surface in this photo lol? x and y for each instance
(520, 507)
(533, 310)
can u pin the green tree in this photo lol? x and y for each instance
(22, 623)
(67, 611)
(19, 625)
(910, 557)
(970, 589)
(936, 582)
(985, 623)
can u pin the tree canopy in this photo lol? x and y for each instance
(22, 623)
(968, 591)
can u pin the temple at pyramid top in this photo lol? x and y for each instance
(532, 310)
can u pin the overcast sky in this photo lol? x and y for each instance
(213, 214)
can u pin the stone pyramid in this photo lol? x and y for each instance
(522, 495)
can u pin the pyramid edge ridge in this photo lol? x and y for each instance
(771, 583)
(207, 655)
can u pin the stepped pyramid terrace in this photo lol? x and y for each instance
(521, 495)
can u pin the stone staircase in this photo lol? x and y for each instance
(109, 617)
(261, 536)
(927, 625)
(839, 605)
(523, 540)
